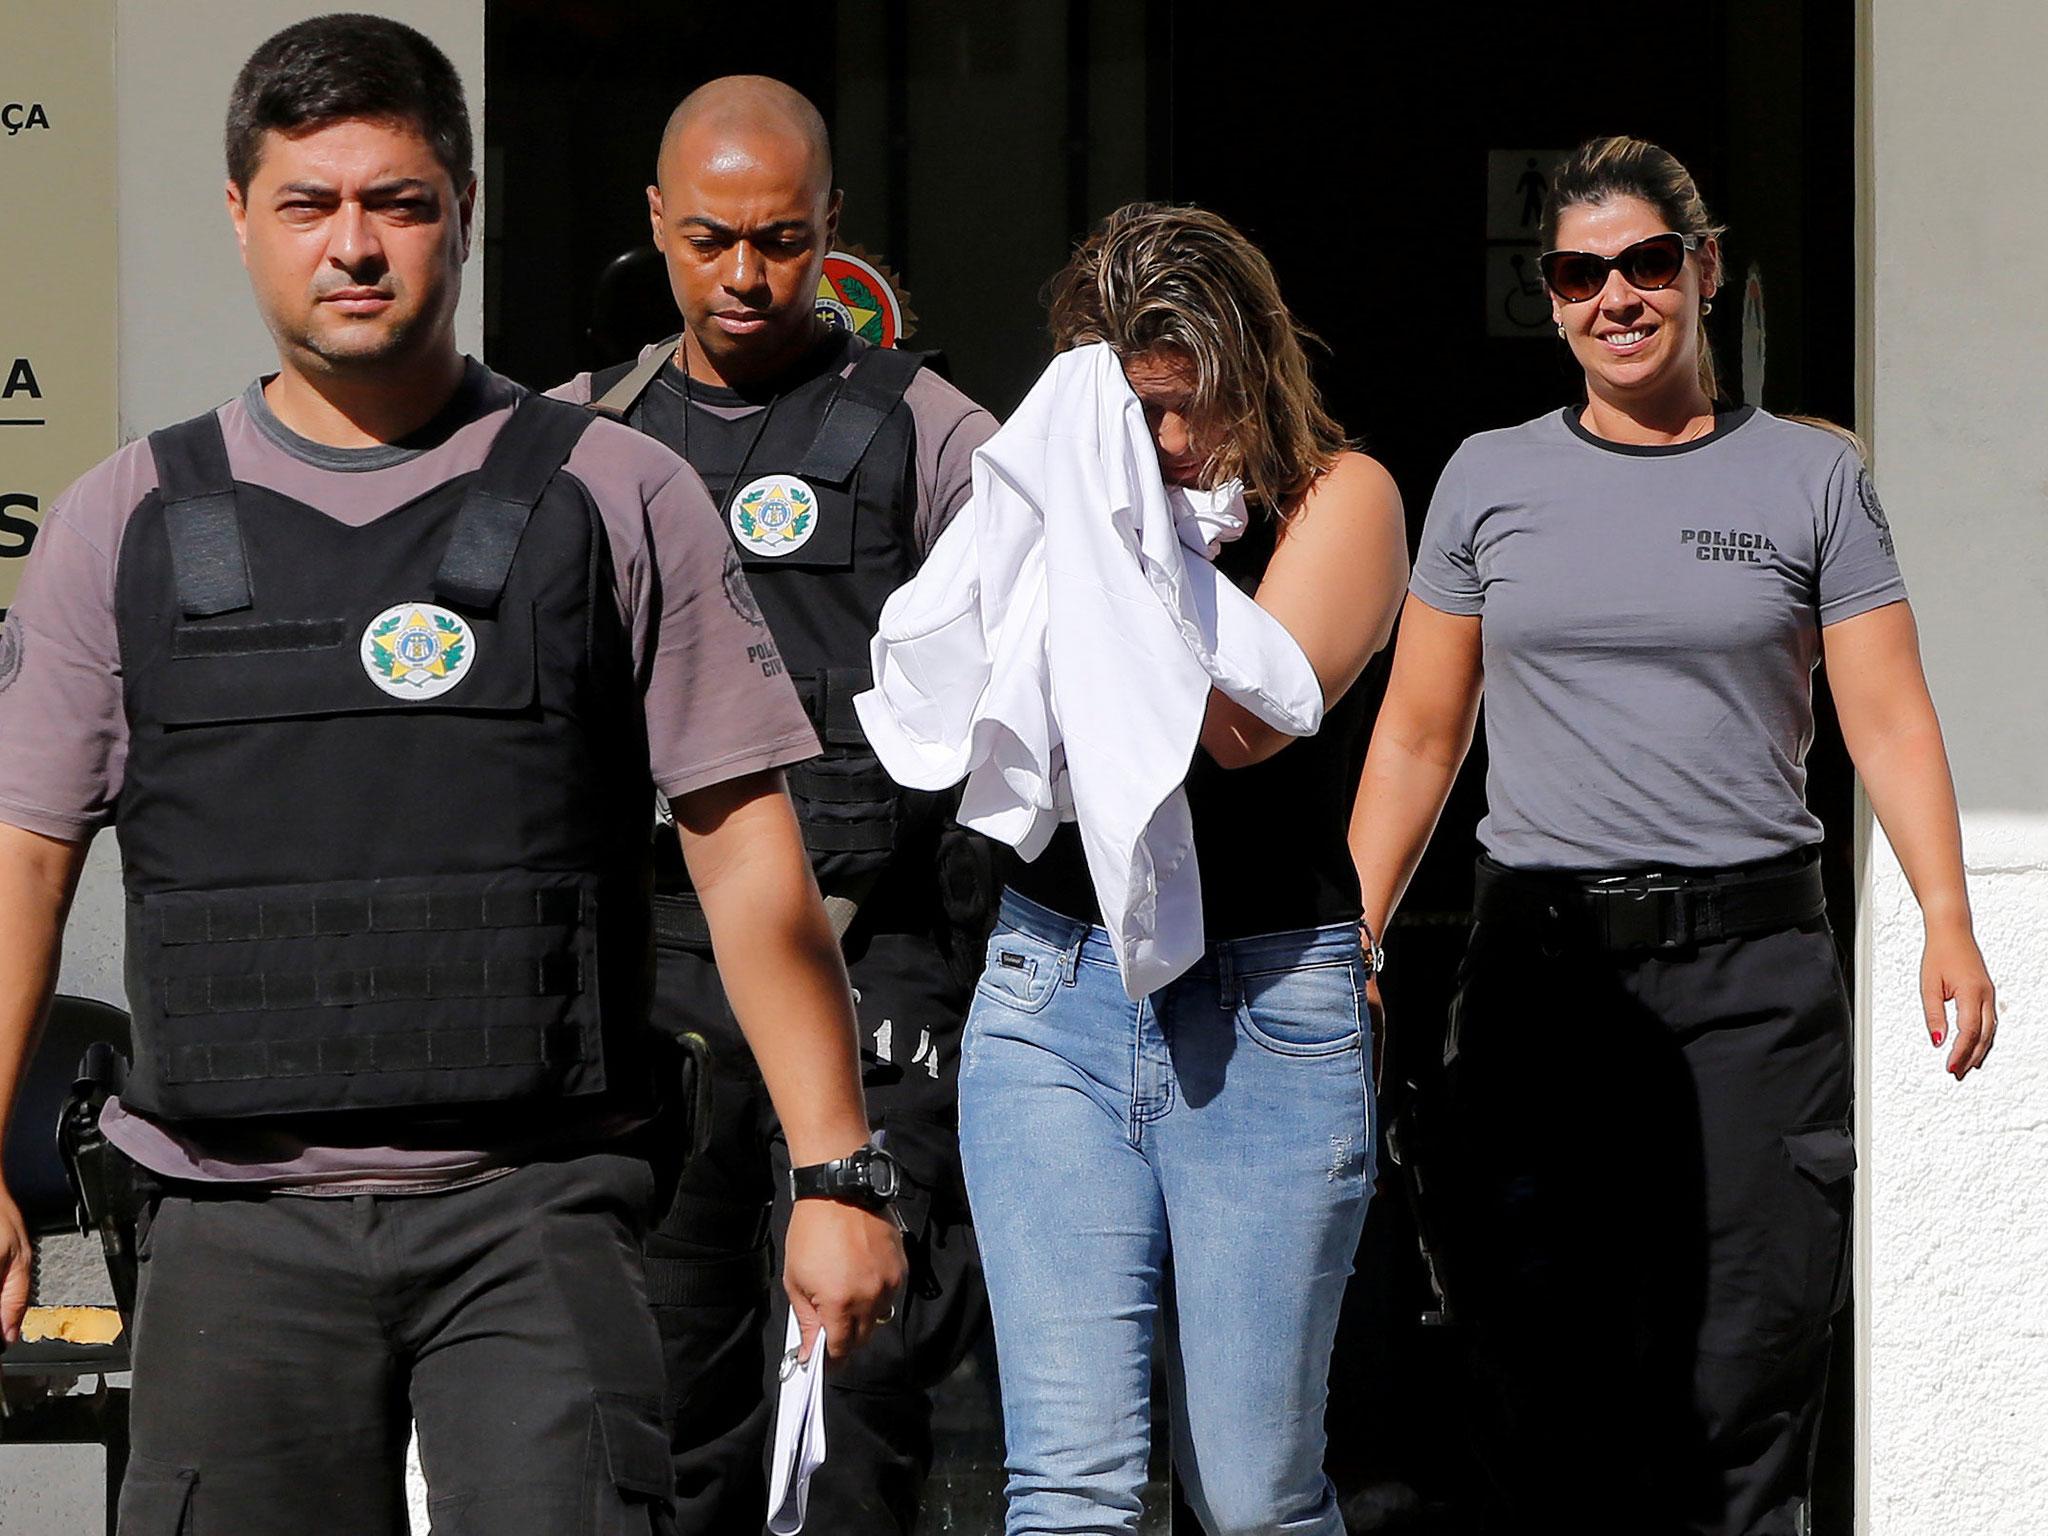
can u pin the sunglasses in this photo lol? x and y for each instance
(1576, 276)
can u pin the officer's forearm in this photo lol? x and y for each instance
(779, 962)
(1401, 795)
(1894, 739)
(1419, 743)
(787, 986)
(37, 876)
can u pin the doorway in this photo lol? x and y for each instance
(1380, 156)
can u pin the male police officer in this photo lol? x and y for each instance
(835, 465)
(375, 669)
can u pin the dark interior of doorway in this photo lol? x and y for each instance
(976, 143)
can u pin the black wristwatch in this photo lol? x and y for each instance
(869, 1178)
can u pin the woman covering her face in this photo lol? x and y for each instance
(1642, 1184)
(1207, 1149)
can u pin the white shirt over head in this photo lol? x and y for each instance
(1057, 650)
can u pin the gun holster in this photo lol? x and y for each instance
(693, 1092)
(107, 1186)
(1409, 1104)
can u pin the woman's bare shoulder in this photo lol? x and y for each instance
(1354, 489)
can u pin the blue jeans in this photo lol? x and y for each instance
(1207, 1151)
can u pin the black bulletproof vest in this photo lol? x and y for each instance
(851, 441)
(343, 899)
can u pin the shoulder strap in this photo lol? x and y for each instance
(866, 396)
(197, 488)
(529, 449)
(616, 390)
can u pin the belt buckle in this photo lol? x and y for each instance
(1633, 917)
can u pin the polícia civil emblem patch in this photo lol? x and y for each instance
(418, 651)
(774, 515)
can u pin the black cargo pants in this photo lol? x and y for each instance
(714, 1263)
(285, 1344)
(1640, 1182)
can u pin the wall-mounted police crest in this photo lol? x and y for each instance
(418, 651)
(774, 515)
(857, 293)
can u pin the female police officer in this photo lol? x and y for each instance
(1644, 1192)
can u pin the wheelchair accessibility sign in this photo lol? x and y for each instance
(1517, 183)
(1516, 301)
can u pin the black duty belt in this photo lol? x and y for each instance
(1655, 910)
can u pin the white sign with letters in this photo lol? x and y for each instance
(59, 392)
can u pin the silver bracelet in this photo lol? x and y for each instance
(1375, 957)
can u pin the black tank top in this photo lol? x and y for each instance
(1270, 839)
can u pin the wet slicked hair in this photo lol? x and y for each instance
(1606, 170)
(1155, 276)
(329, 69)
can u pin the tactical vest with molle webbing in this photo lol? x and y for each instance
(848, 441)
(380, 822)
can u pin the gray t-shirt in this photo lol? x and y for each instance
(715, 709)
(1651, 620)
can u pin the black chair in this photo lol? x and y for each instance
(53, 1132)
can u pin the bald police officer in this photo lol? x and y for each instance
(835, 465)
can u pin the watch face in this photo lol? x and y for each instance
(869, 1176)
(885, 1176)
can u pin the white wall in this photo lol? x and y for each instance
(1954, 1247)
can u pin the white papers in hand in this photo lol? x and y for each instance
(799, 1432)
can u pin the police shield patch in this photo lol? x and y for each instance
(418, 651)
(774, 515)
